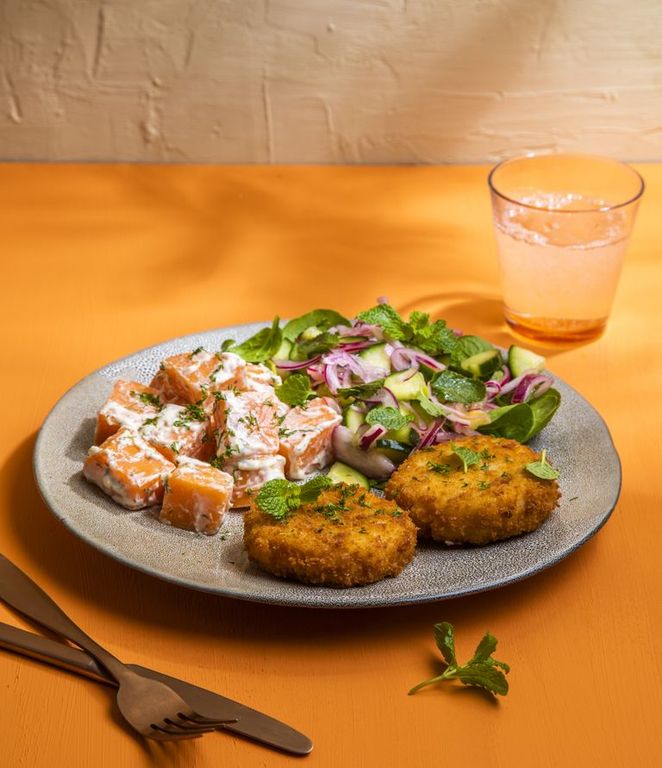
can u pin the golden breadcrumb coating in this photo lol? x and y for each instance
(494, 499)
(346, 538)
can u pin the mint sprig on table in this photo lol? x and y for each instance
(482, 670)
(280, 497)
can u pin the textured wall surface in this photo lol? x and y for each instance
(328, 80)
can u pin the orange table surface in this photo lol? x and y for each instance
(100, 260)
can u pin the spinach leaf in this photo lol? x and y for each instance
(544, 407)
(262, 346)
(512, 421)
(321, 318)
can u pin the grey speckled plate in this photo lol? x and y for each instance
(590, 483)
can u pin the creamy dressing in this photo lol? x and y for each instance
(250, 425)
(306, 430)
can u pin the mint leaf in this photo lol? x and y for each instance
(455, 388)
(435, 339)
(227, 344)
(388, 319)
(430, 407)
(262, 346)
(444, 637)
(388, 417)
(321, 318)
(485, 648)
(467, 456)
(483, 675)
(280, 497)
(542, 469)
(482, 670)
(467, 346)
(312, 489)
(295, 390)
(418, 320)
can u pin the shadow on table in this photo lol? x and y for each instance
(479, 312)
(129, 594)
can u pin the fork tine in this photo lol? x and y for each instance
(175, 726)
(163, 734)
(194, 717)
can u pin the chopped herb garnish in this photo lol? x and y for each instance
(147, 398)
(196, 351)
(441, 469)
(483, 485)
(216, 462)
(192, 412)
(174, 447)
(482, 670)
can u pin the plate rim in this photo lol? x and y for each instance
(371, 602)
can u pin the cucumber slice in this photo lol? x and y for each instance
(353, 418)
(406, 385)
(311, 333)
(394, 449)
(522, 360)
(406, 434)
(341, 473)
(483, 364)
(283, 352)
(377, 357)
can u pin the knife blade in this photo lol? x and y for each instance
(250, 723)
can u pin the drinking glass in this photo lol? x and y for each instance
(562, 224)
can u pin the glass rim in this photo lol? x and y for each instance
(603, 209)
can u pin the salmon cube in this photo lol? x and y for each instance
(128, 405)
(251, 474)
(305, 438)
(258, 378)
(197, 497)
(190, 377)
(245, 424)
(128, 469)
(179, 430)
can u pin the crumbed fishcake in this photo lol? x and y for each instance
(347, 537)
(494, 499)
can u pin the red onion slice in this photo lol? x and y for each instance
(531, 385)
(294, 365)
(385, 397)
(370, 435)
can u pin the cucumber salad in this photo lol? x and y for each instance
(402, 384)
